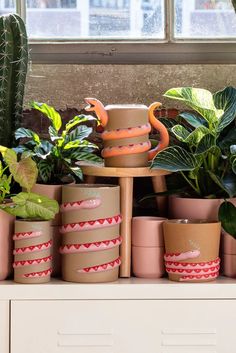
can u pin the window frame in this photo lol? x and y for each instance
(168, 51)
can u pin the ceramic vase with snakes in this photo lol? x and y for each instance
(126, 133)
(32, 251)
(90, 233)
(192, 250)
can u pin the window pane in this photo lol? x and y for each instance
(7, 6)
(95, 19)
(204, 19)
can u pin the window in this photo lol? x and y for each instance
(131, 31)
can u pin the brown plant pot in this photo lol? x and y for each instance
(54, 192)
(148, 247)
(90, 233)
(229, 255)
(32, 251)
(192, 250)
(121, 117)
(6, 244)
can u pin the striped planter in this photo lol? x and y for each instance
(90, 233)
(32, 251)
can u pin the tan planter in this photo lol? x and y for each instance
(32, 251)
(54, 192)
(90, 233)
(229, 255)
(192, 250)
(148, 247)
(6, 244)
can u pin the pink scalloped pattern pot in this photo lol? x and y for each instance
(148, 247)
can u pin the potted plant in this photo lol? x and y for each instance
(205, 157)
(57, 158)
(32, 261)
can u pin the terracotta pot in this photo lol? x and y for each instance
(6, 244)
(90, 232)
(229, 255)
(147, 247)
(192, 250)
(193, 208)
(32, 251)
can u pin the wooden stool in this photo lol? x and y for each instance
(126, 176)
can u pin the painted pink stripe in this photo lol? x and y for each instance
(101, 268)
(87, 225)
(33, 248)
(95, 246)
(182, 256)
(82, 204)
(187, 272)
(38, 274)
(21, 263)
(26, 235)
(191, 265)
(200, 277)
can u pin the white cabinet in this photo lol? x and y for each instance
(123, 326)
(4, 326)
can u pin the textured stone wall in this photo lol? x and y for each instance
(66, 85)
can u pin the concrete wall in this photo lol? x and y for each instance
(66, 85)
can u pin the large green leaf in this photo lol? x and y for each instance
(206, 143)
(87, 157)
(24, 172)
(227, 216)
(192, 119)
(223, 186)
(78, 119)
(226, 100)
(27, 133)
(198, 99)
(45, 169)
(191, 138)
(44, 149)
(32, 206)
(229, 139)
(79, 144)
(175, 159)
(79, 133)
(50, 112)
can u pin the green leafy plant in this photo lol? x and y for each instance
(5, 183)
(26, 204)
(205, 156)
(58, 157)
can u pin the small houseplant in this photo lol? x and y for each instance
(205, 156)
(32, 262)
(57, 158)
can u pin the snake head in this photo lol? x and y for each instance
(94, 105)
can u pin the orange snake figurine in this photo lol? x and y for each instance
(126, 130)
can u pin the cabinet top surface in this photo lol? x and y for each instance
(131, 288)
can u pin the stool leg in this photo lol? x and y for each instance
(159, 185)
(89, 179)
(126, 195)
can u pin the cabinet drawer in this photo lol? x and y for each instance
(123, 326)
(4, 327)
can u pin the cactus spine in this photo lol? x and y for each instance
(13, 70)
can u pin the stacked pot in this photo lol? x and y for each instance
(90, 233)
(32, 251)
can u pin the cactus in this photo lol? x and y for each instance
(13, 70)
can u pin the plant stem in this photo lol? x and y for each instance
(191, 184)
